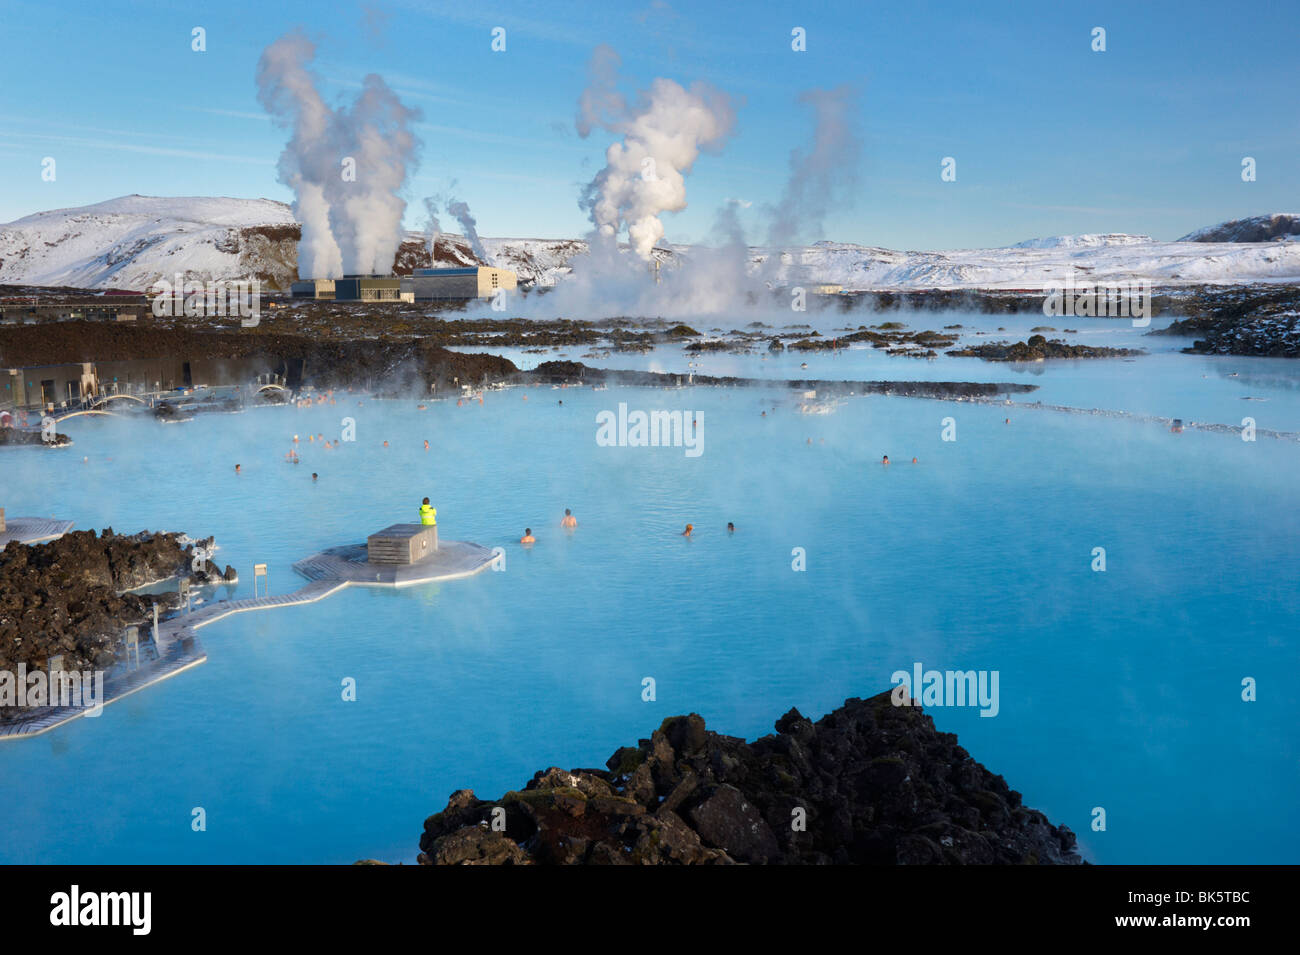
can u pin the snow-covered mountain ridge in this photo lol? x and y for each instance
(131, 242)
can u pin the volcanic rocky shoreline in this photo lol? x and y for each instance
(70, 596)
(392, 365)
(869, 783)
(1259, 321)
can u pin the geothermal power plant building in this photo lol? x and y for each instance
(466, 283)
(421, 286)
(313, 288)
(369, 288)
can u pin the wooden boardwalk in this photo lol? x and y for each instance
(183, 626)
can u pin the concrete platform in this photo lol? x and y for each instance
(451, 560)
(33, 530)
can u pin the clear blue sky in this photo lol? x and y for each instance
(1050, 138)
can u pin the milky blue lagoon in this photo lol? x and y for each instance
(1119, 689)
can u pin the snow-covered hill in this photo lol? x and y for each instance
(1280, 225)
(133, 241)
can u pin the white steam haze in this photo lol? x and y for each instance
(663, 132)
(348, 227)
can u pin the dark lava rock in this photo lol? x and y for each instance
(1259, 320)
(15, 437)
(870, 783)
(1038, 348)
(67, 596)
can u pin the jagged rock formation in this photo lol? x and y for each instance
(870, 783)
(1262, 320)
(67, 596)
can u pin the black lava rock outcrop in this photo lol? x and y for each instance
(1038, 348)
(870, 783)
(67, 596)
(14, 437)
(1262, 320)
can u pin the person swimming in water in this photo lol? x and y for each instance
(731, 528)
(569, 519)
(528, 537)
(885, 460)
(689, 528)
(313, 475)
(237, 471)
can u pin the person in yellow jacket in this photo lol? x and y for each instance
(428, 515)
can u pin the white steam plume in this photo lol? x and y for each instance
(351, 213)
(432, 228)
(460, 209)
(663, 134)
(821, 177)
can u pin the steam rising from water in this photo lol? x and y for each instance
(346, 166)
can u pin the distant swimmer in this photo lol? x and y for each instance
(569, 519)
(426, 445)
(237, 469)
(428, 514)
(420, 407)
(731, 528)
(313, 475)
(385, 444)
(528, 537)
(295, 439)
(689, 528)
(913, 460)
(885, 460)
(763, 415)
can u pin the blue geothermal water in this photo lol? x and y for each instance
(1119, 689)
